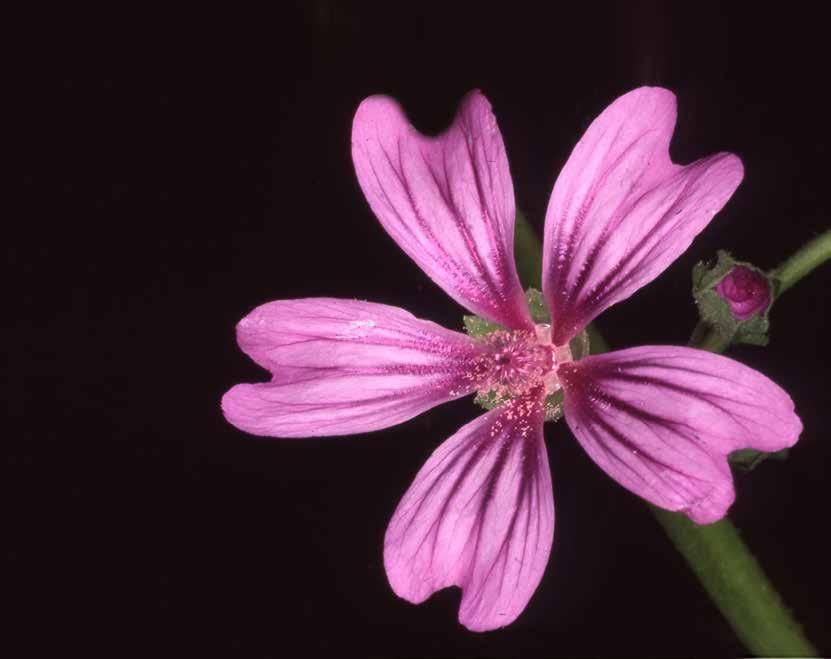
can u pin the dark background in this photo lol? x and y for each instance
(178, 170)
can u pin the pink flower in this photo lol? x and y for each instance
(660, 420)
(746, 291)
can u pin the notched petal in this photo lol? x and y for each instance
(621, 211)
(345, 366)
(661, 421)
(479, 515)
(448, 201)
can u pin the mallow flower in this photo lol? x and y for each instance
(660, 420)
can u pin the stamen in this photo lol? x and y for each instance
(518, 361)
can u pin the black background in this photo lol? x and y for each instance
(178, 170)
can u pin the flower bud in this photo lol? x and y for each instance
(746, 291)
(734, 299)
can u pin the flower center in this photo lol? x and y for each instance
(517, 361)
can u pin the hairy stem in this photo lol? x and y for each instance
(528, 252)
(705, 337)
(728, 571)
(737, 584)
(802, 262)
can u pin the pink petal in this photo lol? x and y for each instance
(448, 201)
(480, 515)
(621, 211)
(345, 366)
(661, 420)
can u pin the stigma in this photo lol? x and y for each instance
(515, 362)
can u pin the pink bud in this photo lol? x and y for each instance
(746, 291)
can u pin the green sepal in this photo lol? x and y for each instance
(753, 331)
(553, 406)
(747, 459)
(489, 399)
(706, 276)
(478, 327)
(536, 306)
(580, 346)
(715, 311)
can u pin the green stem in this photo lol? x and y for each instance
(738, 586)
(705, 338)
(811, 255)
(726, 569)
(597, 342)
(730, 574)
(528, 252)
